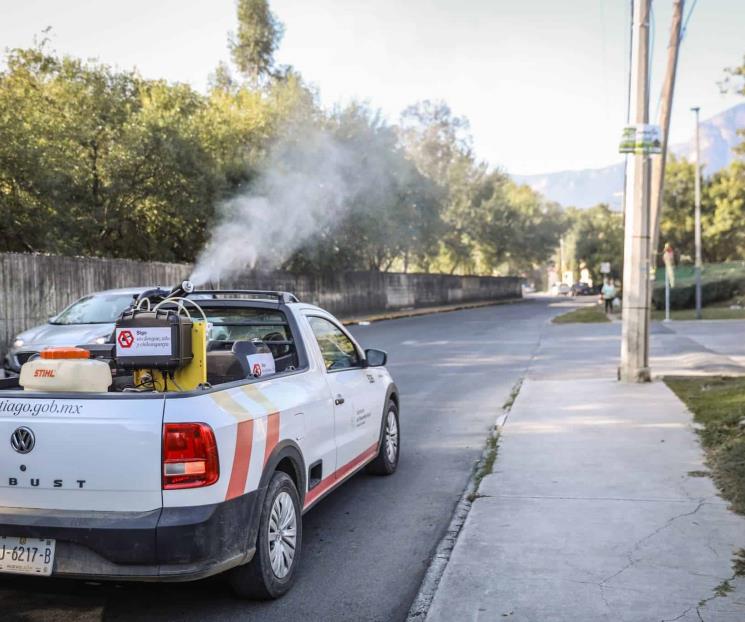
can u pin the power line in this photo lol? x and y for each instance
(687, 19)
(628, 103)
(631, 45)
(652, 28)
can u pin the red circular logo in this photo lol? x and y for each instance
(125, 339)
(257, 369)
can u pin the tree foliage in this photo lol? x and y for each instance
(596, 236)
(722, 211)
(676, 223)
(102, 162)
(488, 223)
(724, 234)
(258, 37)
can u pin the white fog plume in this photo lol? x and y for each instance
(304, 186)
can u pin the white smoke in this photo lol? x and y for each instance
(304, 186)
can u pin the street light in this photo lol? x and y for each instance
(697, 216)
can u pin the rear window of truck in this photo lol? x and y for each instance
(247, 324)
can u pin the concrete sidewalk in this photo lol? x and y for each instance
(595, 510)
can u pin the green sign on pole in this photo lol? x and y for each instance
(641, 139)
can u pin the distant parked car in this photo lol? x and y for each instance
(582, 289)
(561, 289)
(87, 320)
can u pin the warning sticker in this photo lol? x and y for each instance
(261, 364)
(125, 339)
(143, 341)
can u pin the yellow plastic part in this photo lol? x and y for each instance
(192, 375)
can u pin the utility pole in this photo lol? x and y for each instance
(635, 313)
(697, 217)
(666, 104)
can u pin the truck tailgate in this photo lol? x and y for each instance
(87, 451)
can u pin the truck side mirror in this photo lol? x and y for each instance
(375, 358)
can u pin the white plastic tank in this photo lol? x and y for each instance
(65, 369)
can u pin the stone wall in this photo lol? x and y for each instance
(35, 287)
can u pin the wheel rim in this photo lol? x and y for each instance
(391, 437)
(282, 534)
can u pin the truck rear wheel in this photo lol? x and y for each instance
(271, 572)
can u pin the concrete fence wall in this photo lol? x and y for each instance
(34, 287)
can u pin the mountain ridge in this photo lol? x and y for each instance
(584, 188)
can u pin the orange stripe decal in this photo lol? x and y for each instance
(272, 435)
(337, 476)
(257, 396)
(228, 403)
(241, 459)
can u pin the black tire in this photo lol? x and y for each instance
(257, 579)
(386, 462)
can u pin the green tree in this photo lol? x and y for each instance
(389, 213)
(723, 232)
(257, 39)
(439, 144)
(101, 162)
(488, 223)
(534, 230)
(677, 218)
(97, 161)
(596, 237)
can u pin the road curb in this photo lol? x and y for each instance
(404, 313)
(431, 581)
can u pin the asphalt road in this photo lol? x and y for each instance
(366, 546)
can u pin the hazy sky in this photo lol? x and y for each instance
(543, 82)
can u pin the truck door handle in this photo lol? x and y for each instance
(339, 400)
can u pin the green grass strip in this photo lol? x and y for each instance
(718, 404)
(583, 315)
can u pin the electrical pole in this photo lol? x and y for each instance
(666, 104)
(635, 313)
(697, 217)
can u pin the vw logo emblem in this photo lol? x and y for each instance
(22, 440)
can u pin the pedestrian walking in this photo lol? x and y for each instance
(608, 293)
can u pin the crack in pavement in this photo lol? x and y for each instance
(698, 613)
(678, 617)
(601, 586)
(639, 543)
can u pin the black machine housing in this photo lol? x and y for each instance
(227, 361)
(170, 353)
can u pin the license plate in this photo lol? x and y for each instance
(26, 555)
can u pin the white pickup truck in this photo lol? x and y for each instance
(144, 483)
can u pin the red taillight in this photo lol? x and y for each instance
(189, 456)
